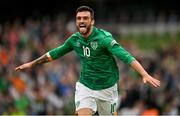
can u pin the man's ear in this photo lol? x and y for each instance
(92, 22)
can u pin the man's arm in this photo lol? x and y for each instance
(49, 56)
(41, 60)
(146, 77)
(127, 58)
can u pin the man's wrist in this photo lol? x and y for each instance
(144, 74)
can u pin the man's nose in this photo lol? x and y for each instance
(81, 20)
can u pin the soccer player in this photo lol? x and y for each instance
(96, 89)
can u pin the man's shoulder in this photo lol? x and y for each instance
(104, 32)
(104, 35)
(73, 36)
(76, 34)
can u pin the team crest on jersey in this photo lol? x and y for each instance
(94, 45)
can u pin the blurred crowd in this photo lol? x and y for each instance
(49, 89)
(140, 99)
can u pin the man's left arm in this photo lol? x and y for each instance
(146, 77)
(116, 49)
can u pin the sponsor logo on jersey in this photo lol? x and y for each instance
(94, 45)
(113, 42)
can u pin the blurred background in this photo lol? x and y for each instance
(149, 29)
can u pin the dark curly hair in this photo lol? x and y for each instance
(86, 8)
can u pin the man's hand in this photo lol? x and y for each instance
(146, 77)
(151, 80)
(24, 66)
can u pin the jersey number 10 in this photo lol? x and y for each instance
(86, 51)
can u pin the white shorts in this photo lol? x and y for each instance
(104, 101)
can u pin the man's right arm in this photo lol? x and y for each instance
(49, 56)
(41, 60)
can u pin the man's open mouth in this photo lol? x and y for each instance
(82, 26)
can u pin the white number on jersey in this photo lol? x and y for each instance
(86, 51)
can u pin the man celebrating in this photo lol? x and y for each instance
(96, 89)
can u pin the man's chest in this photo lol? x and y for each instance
(88, 49)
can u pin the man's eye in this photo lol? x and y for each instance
(85, 18)
(78, 18)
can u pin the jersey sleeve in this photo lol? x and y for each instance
(61, 50)
(117, 50)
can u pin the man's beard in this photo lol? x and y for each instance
(84, 30)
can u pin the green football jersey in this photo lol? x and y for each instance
(98, 66)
